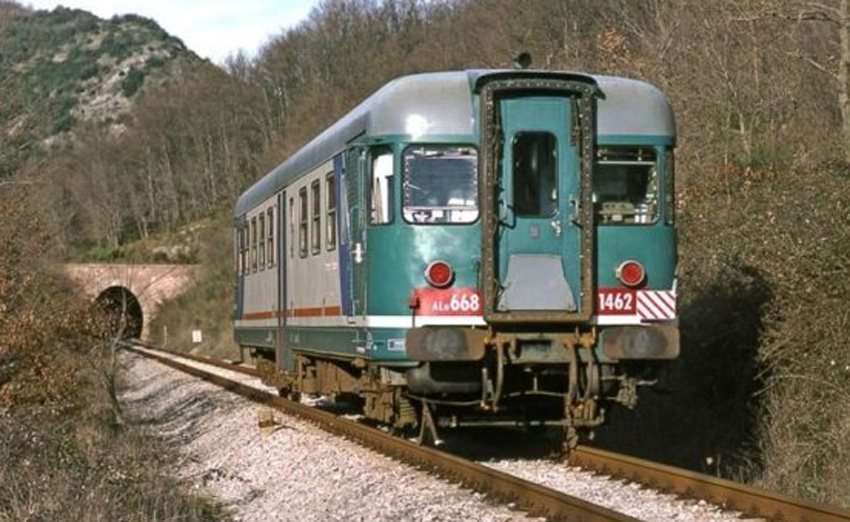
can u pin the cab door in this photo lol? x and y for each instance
(538, 250)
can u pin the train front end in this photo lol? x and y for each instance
(566, 300)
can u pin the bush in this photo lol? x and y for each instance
(103, 253)
(131, 83)
(789, 229)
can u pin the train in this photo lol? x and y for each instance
(469, 248)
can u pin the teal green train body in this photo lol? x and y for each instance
(474, 247)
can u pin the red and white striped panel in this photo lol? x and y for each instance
(656, 305)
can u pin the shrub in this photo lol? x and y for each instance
(103, 253)
(131, 83)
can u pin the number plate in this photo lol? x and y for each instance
(616, 301)
(449, 301)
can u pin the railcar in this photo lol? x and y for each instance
(484, 247)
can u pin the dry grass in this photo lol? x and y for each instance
(66, 451)
(84, 467)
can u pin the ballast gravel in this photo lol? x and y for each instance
(627, 497)
(299, 473)
(303, 473)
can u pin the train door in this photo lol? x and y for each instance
(355, 199)
(538, 247)
(242, 248)
(282, 355)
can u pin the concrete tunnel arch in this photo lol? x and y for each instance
(123, 311)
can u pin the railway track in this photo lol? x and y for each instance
(531, 497)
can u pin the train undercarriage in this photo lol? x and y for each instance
(524, 381)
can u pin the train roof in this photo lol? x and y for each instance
(440, 104)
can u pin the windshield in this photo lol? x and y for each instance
(625, 186)
(440, 184)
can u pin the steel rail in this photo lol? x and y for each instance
(533, 498)
(234, 367)
(747, 499)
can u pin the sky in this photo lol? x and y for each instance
(213, 29)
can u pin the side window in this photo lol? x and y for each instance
(243, 248)
(237, 250)
(302, 223)
(261, 244)
(316, 217)
(330, 220)
(291, 237)
(254, 244)
(270, 236)
(535, 174)
(671, 187)
(381, 195)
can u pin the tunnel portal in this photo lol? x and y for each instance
(123, 312)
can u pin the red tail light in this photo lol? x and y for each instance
(439, 274)
(631, 273)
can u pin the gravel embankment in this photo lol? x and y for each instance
(300, 473)
(303, 473)
(626, 497)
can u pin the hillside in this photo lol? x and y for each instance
(66, 67)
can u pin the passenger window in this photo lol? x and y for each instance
(440, 184)
(535, 174)
(625, 186)
(330, 189)
(237, 250)
(381, 199)
(316, 189)
(243, 247)
(261, 246)
(291, 237)
(254, 244)
(270, 237)
(302, 225)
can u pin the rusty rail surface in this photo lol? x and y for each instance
(747, 499)
(533, 498)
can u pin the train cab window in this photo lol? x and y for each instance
(330, 190)
(316, 217)
(302, 223)
(625, 186)
(440, 184)
(270, 237)
(670, 177)
(535, 174)
(261, 243)
(254, 244)
(381, 196)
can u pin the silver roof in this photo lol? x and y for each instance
(440, 104)
(632, 108)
